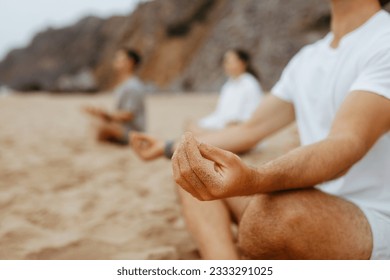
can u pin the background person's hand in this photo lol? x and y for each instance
(210, 173)
(146, 146)
(97, 112)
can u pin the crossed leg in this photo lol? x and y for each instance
(304, 224)
(298, 224)
(110, 132)
(210, 224)
(104, 128)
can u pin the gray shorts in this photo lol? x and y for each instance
(380, 228)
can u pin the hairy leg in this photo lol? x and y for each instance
(210, 224)
(303, 224)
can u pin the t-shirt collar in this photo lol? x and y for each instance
(356, 33)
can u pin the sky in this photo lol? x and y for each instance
(21, 19)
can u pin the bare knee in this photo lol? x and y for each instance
(267, 226)
(106, 132)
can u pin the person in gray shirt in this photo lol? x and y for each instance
(129, 115)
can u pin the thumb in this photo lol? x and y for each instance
(217, 155)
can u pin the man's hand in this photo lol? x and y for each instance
(210, 173)
(146, 146)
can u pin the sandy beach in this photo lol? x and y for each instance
(64, 196)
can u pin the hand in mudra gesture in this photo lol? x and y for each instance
(208, 172)
(145, 146)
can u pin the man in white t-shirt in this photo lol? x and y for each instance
(329, 198)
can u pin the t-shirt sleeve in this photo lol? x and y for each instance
(284, 88)
(375, 77)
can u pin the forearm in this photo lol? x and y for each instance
(121, 116)
(209, 173)
(309, 165)
(237, 139)
(272, 115)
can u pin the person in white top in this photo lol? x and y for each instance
(239, 97)
(329, 198)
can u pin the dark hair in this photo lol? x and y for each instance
(384, 2)
(245, 57)
(133, 55)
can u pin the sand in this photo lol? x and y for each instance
(64, 196)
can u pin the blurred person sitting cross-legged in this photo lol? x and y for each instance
(239, 98)
(129, 115)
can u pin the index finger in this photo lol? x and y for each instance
(185, 177)
(202, 167)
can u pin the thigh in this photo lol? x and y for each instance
(112, 129)
(380, 227)
(304, 224)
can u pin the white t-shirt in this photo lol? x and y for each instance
(238, 100)
(319, 78)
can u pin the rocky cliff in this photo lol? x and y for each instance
(182, 42)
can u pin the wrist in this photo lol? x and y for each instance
(258, 181)
(168, 149)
